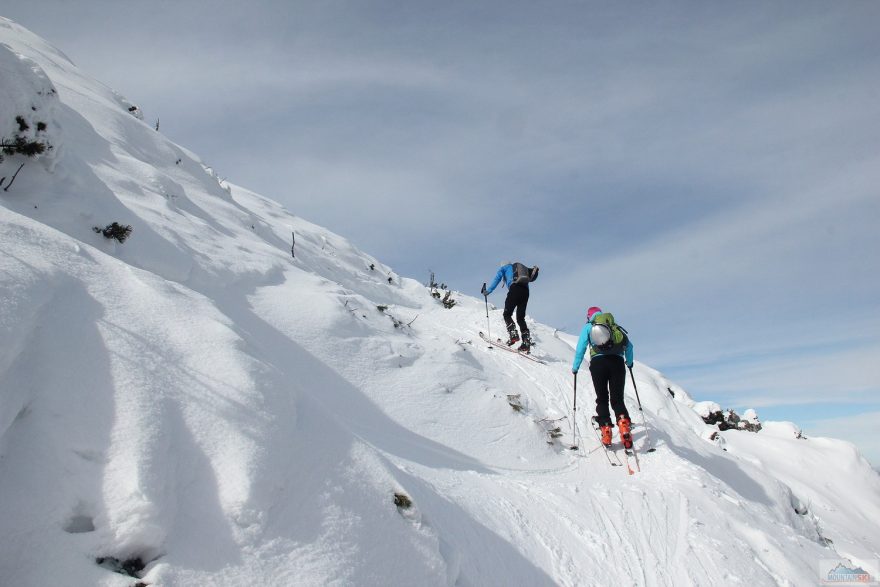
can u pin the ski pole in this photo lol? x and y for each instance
(644, 422)
(486, 299)
(574, 446)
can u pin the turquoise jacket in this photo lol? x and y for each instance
(505, 273)
(584, 342)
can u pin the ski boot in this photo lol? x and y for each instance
(624, 427)
(513, 335)
(526, 345)
(606, 434)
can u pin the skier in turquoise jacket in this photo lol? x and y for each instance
(607, 370)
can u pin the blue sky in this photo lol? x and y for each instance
(708, 171)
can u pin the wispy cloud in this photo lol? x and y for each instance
(847, 375)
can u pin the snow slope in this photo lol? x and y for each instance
(198, 399)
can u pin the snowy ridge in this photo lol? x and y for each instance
(198, 399)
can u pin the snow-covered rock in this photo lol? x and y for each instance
(706, 408)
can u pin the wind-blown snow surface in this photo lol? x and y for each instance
(200, 400)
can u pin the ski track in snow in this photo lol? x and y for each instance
(198, 398)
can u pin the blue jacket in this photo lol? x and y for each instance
(584, 342)
(505, 273)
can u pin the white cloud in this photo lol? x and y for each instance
(845, 376)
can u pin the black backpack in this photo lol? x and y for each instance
(523, 275)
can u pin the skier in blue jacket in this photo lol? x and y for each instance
(607, 361)
(516, 277)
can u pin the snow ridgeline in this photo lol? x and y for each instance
(197, 401)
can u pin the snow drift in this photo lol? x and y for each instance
(198, 406)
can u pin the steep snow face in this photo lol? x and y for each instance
(118, 169)
(201, 400)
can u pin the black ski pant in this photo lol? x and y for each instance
(517, 298)
(609, 378)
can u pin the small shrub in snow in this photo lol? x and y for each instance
(400, 323)
(432, 283)
(402, 501)
(447, 300)
(435, 289)
(382, 308)
(513, 402)
(782, 430)
(21, 146)
(115, 230)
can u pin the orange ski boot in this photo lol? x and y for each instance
(624, 425)
(606, 434)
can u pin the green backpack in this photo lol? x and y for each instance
(607, 337)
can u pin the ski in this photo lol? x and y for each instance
(626, 455)
(635, 456)
(499, 344)
(630, 452)
(607, 452)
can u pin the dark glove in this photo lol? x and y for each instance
(574, 372)
(483, 291)
(629, 365)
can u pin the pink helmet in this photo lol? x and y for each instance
(593, 311)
